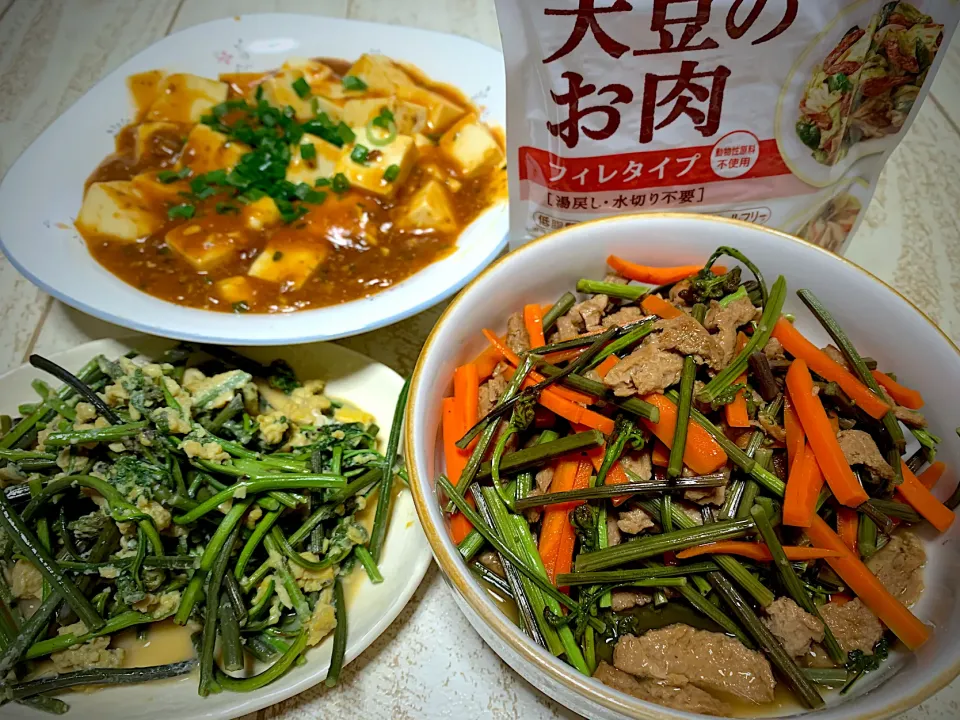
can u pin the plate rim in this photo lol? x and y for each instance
(264, 698)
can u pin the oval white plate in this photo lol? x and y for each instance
(42, 192)
(406, 556)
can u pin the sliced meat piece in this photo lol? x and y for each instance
(640, 464)
(908, 417)
(634, 520)
(899, 566)
(677, 292)
(774, 350)
(623, 316)
(691, 511)
(860, 449)
(795, 628)
(616, 279)
(726, 321)
(613, 531)
(518, 339)
(490, 392)
(772, 429)
(680, 655)
(567, 329)
(687, 698)
(491, 561)
(855, 627)
(592, 311)
(647, 369)
(838, 357)
(688, 337)
(707, 496)
(544, 479)
(621, 600)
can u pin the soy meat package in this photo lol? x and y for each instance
(779, 112)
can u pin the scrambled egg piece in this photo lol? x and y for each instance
(311, 580)
(323, 620)
(159, 605)
(304, 405)
(93, 654)
(85, 412)
(253, 516)
(173, 420)
(273, 426)
(207, 451)
(26, 581)
(160, 515)
(197, 384)
(115, 395)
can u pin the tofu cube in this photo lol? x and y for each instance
(278, 91)
(117, 210)
(411, 119)
(314, 71)
(430, 210)
(422, 141)
(332, 108)
(185, 98)
(235, 289)
(204, 243)
(358, 112)
(289, 262)
(152, 189)
(260, 214)
(322, 165)
(157, 140)
(207, 150)
(368, 176)
(471, 146)
(441, 112)
(379, 73)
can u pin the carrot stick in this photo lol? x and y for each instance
(794, 431)
(576, 413)
(555, 518)
(466, 389)
(818, 361)
(902, 395)
(460, 527)
(736, 411)
(660, 455)
(568, 537)
(487, 362)
(803, 489)
(657, 275)
(847, 522)
(606, 366)
(923, 501)
(844, 484)
(616, 476)
(701, 454)
(931, 476)
(563, 355)
(755, 551)
(855, 575)
(536, 377)
(533, 321)
(653, 305)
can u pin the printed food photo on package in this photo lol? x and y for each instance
(778, 112)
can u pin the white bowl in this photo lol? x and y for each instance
(882, 323)
(41, 194)
(371, 608)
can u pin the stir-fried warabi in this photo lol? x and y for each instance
(671, 482)
(202, 490)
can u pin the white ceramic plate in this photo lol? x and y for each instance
(406, 555)
(42, 192)
(881, 323)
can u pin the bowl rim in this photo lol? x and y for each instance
(554, 669)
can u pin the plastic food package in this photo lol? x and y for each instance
(778, 112)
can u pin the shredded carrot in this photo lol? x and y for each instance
(460, 527)
(617, 476)
(755, 551)
(847, 525)
(657, 275)
(855, 575)
(533, 321)
(568, 539)
(931, 476)
(575, 413)
(736, 412)
(818, 361)
(840, 599)
(563, 355)
(653, 305)
(803, 488)
(466, 390)
(902, 395)
(660, 456)
(834, 421)
(923, 501)
(606, 366)
(702, 453)
(793, 430)
(822, 437)
(555, 518)
(487, 362)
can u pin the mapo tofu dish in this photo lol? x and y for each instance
(665, 483)
(316, 184)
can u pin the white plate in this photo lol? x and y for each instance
(42, 192)
(406, 555)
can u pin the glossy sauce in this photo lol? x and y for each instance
(357, 263)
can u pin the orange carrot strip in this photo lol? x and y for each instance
(563, 355)
(902, 395)
(533, 321)
(568, 537)
(460, 527)
(617, 476)
(702, 454)
(755, 551)
(818, 361)
(931, 476)
(855, 575)
(794, 431)
(466, 390)
(841, 598)
(656, 275)
(575, 413)
(606, 366)
(803, 488)
(554, 519)
(735, 412)
(847, 523)
(923, 501)
(653, 305)
(822, 438)
(660, 455)
(487, 362)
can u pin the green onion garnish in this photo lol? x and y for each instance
(322, 182)
(345, 134)
(183, 211)
(340, 184)
(224, 208)
(308, 151)
(391, 173)
(352, 82)
(359, 154)
(301, 87)
(169, 176)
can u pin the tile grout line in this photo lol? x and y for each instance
(39, 328)
(946, 115)
(7, 9)
(173, 19)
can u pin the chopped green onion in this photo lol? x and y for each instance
(388, 125)
(340, 184)
(301, 87)
(353, 83)
(359, 154)
(345, 134)
(308, 151)
(391, 173)
(224, 208)
(184, 211)
(169, 176)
